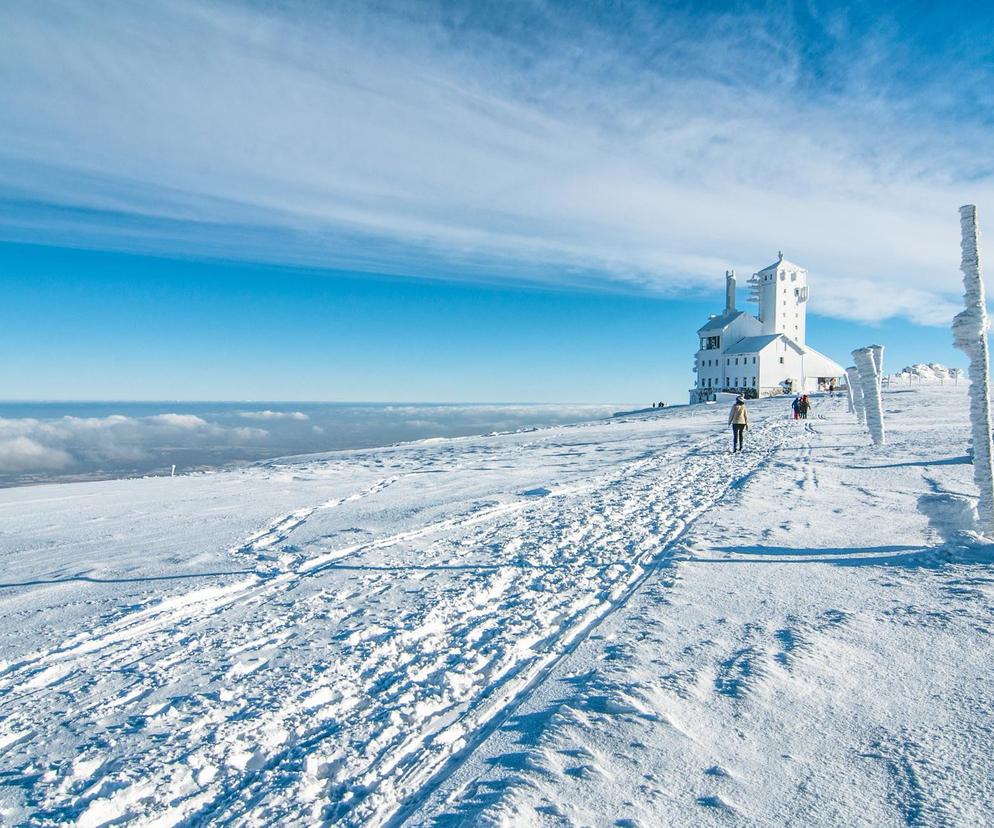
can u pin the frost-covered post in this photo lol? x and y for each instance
(878, 362)
(970, 336)
(869, 381)
(855, 394)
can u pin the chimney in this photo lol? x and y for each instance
(729, 291)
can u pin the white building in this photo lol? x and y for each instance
(764, 354)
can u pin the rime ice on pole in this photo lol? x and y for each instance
(878, 362)
(855, 394)
(867, 364)
(970, 327)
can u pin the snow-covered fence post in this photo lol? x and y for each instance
(869, 381)
(878, 363)
(856, 390)
(855, 394)
(970, 336)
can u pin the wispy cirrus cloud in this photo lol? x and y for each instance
(621, 147)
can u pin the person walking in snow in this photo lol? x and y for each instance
(738, 419)
(803, 405)
(796, 407)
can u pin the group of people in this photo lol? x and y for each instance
(801, 406)
(738, 417)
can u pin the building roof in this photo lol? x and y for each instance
(780, 263)
(819, 365)
(717, 323)
(752, 344)
(816, 364)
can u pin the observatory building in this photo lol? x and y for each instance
(764, 354)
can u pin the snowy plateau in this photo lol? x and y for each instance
(611, 623)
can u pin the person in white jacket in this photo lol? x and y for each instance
(738, 419)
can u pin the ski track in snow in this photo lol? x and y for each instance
(317, 706)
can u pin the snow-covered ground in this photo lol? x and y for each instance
(614, 623)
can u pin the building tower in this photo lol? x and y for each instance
(729, 291)
(782, 293)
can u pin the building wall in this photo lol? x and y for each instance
(772, 371)
(713, 372)
(741, 370)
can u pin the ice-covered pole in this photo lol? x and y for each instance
(869, 382)
(970, 336)
(857, 394)
(878, 362)
(852, 386)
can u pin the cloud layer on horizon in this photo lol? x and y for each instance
(616, 147)
(67, 444)
(39, 448)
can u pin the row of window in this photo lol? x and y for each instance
(733, 382)
(708, 363)
(783, 276)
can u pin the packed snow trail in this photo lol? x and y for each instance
(817, 652)
(336, 681)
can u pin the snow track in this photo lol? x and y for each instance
(339, 684)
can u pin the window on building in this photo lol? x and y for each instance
(736, 360)
(710, 343)
(793, 277)
(753, 382)
(783, 276)
(781, 360)
(754, 360)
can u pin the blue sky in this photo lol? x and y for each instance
(479, 201)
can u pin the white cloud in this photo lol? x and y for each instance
(273, 415)
(183, 421)
(645, 152)
(250, 434)
(21, 454)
